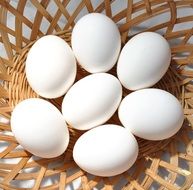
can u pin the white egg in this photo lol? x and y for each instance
(143, 61)
(96, 42)
(40, 128)
(151, 114)
(50, 67)
(92, 101)
(106, 150)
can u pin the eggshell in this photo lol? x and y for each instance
(40, 128)
(92, 101)
(50, 67)
(151, 114)
(143, 61)
(106, 150)
(96, 42)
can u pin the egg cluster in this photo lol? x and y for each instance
(105, 149)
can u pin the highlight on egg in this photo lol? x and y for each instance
(152, 114)
(143, 61)
(40, 128)
(92, 101)
(96, 42)
(106, 150)
(50, 67)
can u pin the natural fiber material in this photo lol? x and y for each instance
(160, 164)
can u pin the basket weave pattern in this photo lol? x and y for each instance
(161, 163)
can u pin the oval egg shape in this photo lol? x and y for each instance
(96, 42)
(143, 61)
(152, 114)
(92, 101)
(106, 150)
(40, 128)
(50, 67)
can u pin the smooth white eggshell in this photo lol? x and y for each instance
(143, 61)
(40, 128)
(106, 150)
(96, 42)
(50, 67)
(151, 114)
(92, 101)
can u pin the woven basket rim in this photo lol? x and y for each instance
(15, 88)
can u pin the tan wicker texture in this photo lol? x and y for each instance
(163, 165)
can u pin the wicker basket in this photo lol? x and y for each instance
(161, 165)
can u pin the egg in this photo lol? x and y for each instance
(106, 150)
(96, 42)
(40, 128)
(92, 101)
(50, 67)
(143, 61)
(151, 114)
